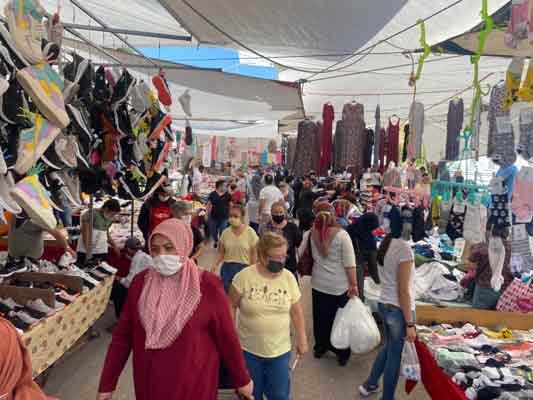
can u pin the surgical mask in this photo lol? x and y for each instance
(235, 222)
(167, 265)
(278, 219)
(187, 219)
(163, 198)
(275, 266)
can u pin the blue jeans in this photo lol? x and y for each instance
(216, 226)
(228, 272)
(389, 357)
(271, 376)
(485, 298)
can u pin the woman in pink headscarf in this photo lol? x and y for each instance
(177, 321)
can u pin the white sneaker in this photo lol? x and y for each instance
(108, 268)
(40, 305)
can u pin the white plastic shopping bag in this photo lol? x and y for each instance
(355, 327)
(410, 367)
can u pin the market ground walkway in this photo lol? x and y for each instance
(77, 376)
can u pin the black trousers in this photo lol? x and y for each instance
(119, 294)
(366, 261)
(325, 308)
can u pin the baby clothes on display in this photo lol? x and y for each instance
(416, 119)
(504, 153)
(522, 204)
(445, 208)
(499, 213)
(475, 223)
(496, 260)
(521, 259)
(497, 96)
(456, 221)
(454, 126)
(525, 142)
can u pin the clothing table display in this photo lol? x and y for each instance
(53, 308)
(470, 361)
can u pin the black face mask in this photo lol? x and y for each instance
(275, 266)
(278, 219)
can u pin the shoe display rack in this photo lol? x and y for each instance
(54, 336)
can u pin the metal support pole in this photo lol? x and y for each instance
(130, 32)
(132, 216)
(89, 249)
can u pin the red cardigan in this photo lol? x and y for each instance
(189, 368)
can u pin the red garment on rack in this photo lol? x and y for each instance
(328, 115)
(393, 142)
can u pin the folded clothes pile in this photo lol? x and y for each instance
(486, 364)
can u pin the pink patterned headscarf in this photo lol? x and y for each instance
(167, 303)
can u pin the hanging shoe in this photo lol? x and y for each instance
(52, 159)
(24, 18)
(34, 141)
(123, 88)
(7, 183)
(159, 121)
(54, 29)
(51, 51)
(4, 87)
(45, 87)
(3, 165)
(31, 196)
(91, 179)
(79, 126)
(126, 153)
(122, 120)
(73, 73)
(67, 148)
(188, 133)
(163, 91)
(159, 156)
(101, 90)
(53, 187)
(129, 188)
(185, 102)
(6, 41)
(153, 183)
(112, 75)
(71, 185)
(140, 100)
(12, 103)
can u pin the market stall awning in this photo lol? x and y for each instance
(236, 129)
(215, 95)
(495, 45)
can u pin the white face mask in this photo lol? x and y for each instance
(167, 265)
(187, 219)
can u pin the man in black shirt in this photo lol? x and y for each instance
(217, 213)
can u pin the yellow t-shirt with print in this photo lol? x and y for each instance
(237, 248)
(263, 321)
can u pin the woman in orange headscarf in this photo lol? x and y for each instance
(16, 381)
(333, 279)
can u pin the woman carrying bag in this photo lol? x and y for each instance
(333, 277)
(397, 310)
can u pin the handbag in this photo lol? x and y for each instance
(512, 298)
(305, 263)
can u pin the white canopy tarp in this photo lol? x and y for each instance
(236, 129)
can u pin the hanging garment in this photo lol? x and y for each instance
(456, 221)
(328, 115)
(291, 150)
(416, 120)
(525, 143)
(305, 158)
(475, 223)
(368, 147)
(497, 96)
(377, 138)
(476, 127)
(521, 259)
(393, 142)
(284, 150)
(454, 126)
(317, 148)
(382, 149)
(522, 204)
(503, 152)
(353, 115)
(499, 213)
(337, 146)
(406, 138)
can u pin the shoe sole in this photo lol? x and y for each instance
(363, 392)
(23, 269)
(55, 114)
(41, 215)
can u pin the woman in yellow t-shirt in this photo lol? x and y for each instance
(237, 247)
(268, 299)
